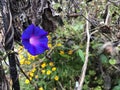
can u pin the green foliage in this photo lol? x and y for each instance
(81, 55)
(112, 61)
(104, 59)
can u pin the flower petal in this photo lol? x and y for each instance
(43, 39)
(26, 43)
(28, 32)
(44, 46)
(32, 50)
(35, 50)
(39, 32)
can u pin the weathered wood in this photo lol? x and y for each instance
(9, 40)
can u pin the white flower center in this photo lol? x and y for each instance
(34, 40)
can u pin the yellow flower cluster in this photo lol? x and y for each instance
(47, 71)
(49, 43)
(30, 57)
(31, 74)
(26, 58)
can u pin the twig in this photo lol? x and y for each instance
(116, 67)
(73, 15)
(115, 3)
(108, 14)
(94, 32)
(81, 80)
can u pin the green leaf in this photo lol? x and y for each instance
(81, 54)
(65, 56)
(95, 46)
(112, 61)
(85, 87)
(98, 88)
(92, 72)
(78, 26)
(116, 87)
(103, 58)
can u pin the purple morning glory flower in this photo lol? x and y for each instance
(35, 40)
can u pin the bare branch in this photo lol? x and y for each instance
(84, 68)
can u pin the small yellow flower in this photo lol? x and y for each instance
(62, 53)
(48, 72)
(33, 57)
(43, 71)
(27, 81)
(43, 65)
(59, 44)
(31, 74)
(29, 55)
(49, 37)
(21, 57)
(54, 69)
(30, 78)
(33, 70)
(27, 62)
(29, 58)
(20, 49)
(36, 76)
(41, 88)
(51, 64)
(70, 52)
(56, 78)
(50, 45)
(22, 61)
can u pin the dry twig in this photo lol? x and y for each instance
(84, 68)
